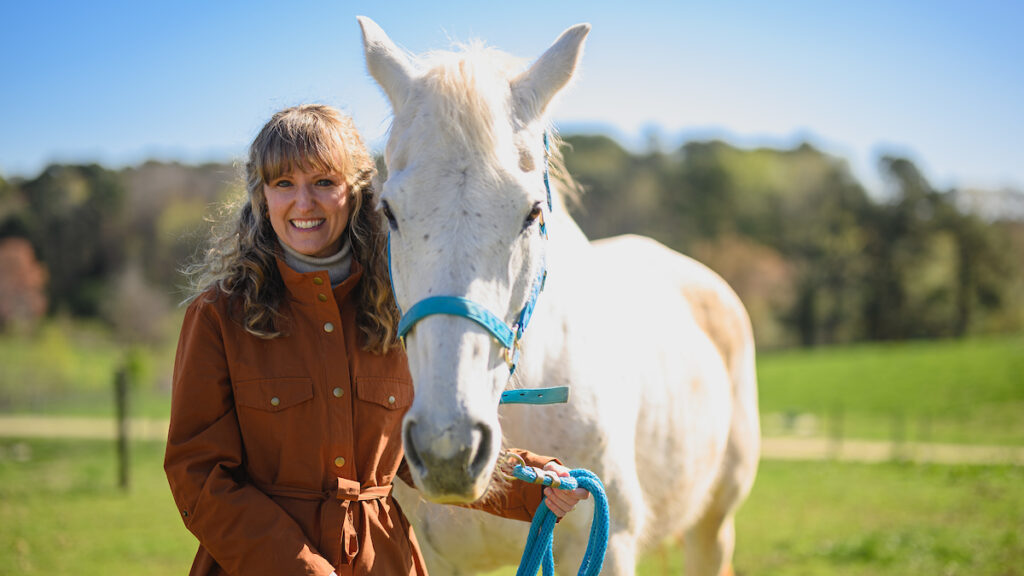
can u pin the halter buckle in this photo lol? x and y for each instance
(511, 353)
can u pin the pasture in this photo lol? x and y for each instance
(60, 510)
(61, 513)
(963, 391)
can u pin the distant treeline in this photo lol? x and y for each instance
(815, 258)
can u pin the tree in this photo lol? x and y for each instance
(22, 285)
(76, 217)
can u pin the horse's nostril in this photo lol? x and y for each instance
(412, 456)
(481, 455)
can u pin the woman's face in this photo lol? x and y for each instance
(309, 210)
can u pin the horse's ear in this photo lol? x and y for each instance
(387, 63)
(533, 90)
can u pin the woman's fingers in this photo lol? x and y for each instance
(561, 502)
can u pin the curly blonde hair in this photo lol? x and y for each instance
(241, 258)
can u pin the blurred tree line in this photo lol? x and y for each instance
(816, 259)
(110, 242)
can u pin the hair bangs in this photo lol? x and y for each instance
(302, 143)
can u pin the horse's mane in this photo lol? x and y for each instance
(468, 88)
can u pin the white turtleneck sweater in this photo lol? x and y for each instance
(338, 266)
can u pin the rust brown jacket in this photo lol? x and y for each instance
(281, 452)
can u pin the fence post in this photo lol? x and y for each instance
(121, 405)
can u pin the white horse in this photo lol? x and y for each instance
(657, 350)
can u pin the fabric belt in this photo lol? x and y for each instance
(349, 490)
(347, 516)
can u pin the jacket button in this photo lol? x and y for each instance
(318, 280)
(339, 461)
(275, 401)
(321, 297)
(328, 327)
(391, 399)
(338, 392)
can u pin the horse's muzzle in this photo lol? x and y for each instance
(450, 464)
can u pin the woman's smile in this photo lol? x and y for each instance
(308, 224)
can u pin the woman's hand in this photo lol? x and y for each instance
(562, 501)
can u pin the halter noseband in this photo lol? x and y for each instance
(507, 336)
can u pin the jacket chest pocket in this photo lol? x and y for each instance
(279, 424)
(391, 394)
(273, 395)
(382, 403)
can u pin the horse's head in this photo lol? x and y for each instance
(465, 197)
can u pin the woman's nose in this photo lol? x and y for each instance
(304, 198)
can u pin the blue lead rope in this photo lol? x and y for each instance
(538, 552)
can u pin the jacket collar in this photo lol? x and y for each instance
(305, 287)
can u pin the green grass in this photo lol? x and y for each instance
(62, 513)
(940, 391)
(67, 368)
(966, 391)
(830, 518)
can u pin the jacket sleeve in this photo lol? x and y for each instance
(241, 527)
(512, 498)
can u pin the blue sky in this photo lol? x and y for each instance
(120, 82)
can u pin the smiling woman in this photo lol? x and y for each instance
(308, 180)
(308, 198)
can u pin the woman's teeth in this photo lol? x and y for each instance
(307, 224)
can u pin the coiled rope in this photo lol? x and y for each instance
(538, 552)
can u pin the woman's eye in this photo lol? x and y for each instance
(283, 183)
(386, 209)
(325, 182)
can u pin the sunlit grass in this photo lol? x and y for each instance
(68, 367)
(62, 513)
(938, 391)
(968, 391)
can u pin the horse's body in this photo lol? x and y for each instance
(656, 348)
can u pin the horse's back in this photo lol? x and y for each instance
(715, 307)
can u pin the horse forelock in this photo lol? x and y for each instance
(464, 96)
(461, 107)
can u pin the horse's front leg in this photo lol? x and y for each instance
(627, 509)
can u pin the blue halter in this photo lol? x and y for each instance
(507, 336)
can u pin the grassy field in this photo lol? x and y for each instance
(963, 391)
(968, 391)
(67, 368)
(61, 513)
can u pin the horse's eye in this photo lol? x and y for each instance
(533, 216)
(386, 209)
